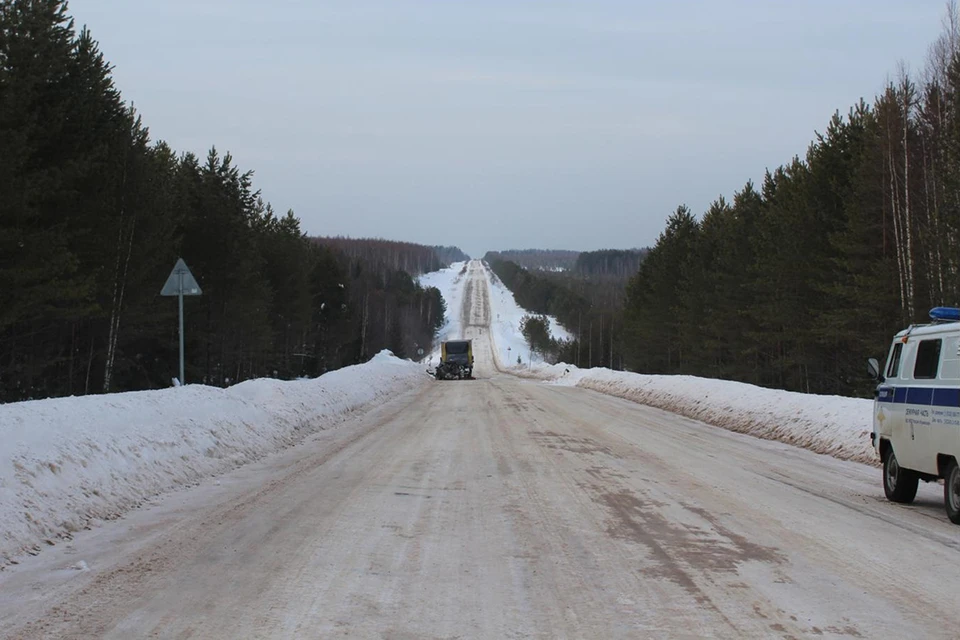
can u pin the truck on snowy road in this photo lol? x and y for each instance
(456, 360)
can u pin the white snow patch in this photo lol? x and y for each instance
(505, 317)
(451, 283)
(832, 425)
(505, 314)
(67, 462)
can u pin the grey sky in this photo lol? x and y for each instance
(500, 124)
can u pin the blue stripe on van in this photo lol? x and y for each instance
(919, 395)
(946, 397)
(930, 396)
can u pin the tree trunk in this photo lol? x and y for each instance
(86, 384)
(590, 349)
(363, 325)
(600, 350)
(895, 216)
(906, 90)
(579, 335)
(610, 361)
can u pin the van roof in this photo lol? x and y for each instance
(930, 329)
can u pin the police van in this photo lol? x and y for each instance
(916, 414)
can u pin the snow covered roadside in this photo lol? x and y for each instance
(67, 462)
(450, 282)
(505, 314)
(832, 425)
(505, 317)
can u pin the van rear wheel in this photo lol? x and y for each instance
(951, 491)
(899, 484)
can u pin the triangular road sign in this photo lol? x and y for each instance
(179, 278)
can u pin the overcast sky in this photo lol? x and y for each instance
(500, 124)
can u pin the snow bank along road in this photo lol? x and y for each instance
(506, 508)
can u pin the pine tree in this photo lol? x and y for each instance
(656, 299)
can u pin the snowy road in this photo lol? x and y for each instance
(502, 508)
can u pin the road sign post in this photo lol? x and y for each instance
(181, 283)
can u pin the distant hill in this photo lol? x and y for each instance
(617, 263)
(415, 259)
(449, 255)
(537, 259)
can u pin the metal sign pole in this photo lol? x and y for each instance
(181, 283)
(180, 296)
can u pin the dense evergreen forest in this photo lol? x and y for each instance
(795, 282)
(93, 216)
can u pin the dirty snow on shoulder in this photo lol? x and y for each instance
(833, 425)
(67, 462)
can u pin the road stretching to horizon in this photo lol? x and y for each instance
(505, 508)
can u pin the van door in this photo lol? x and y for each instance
(945, 407)
(889, 411)
(926, 351)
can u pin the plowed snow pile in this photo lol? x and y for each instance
(833, 425)
(65, 462)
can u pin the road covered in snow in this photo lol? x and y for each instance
(510, 508)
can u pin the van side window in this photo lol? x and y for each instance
(893, 369)
(928, 360)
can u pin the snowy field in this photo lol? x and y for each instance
(67, 462)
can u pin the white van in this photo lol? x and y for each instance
(916, 414)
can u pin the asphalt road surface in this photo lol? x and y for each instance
(503, 508)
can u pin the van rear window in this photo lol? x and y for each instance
(928, 360)
(893, 369)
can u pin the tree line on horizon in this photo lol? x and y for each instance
(415, 259)
(536, 259)
(794, 283)
(619, 263)
(93, 216)
(789, 284)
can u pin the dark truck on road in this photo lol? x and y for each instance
(456, 360)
